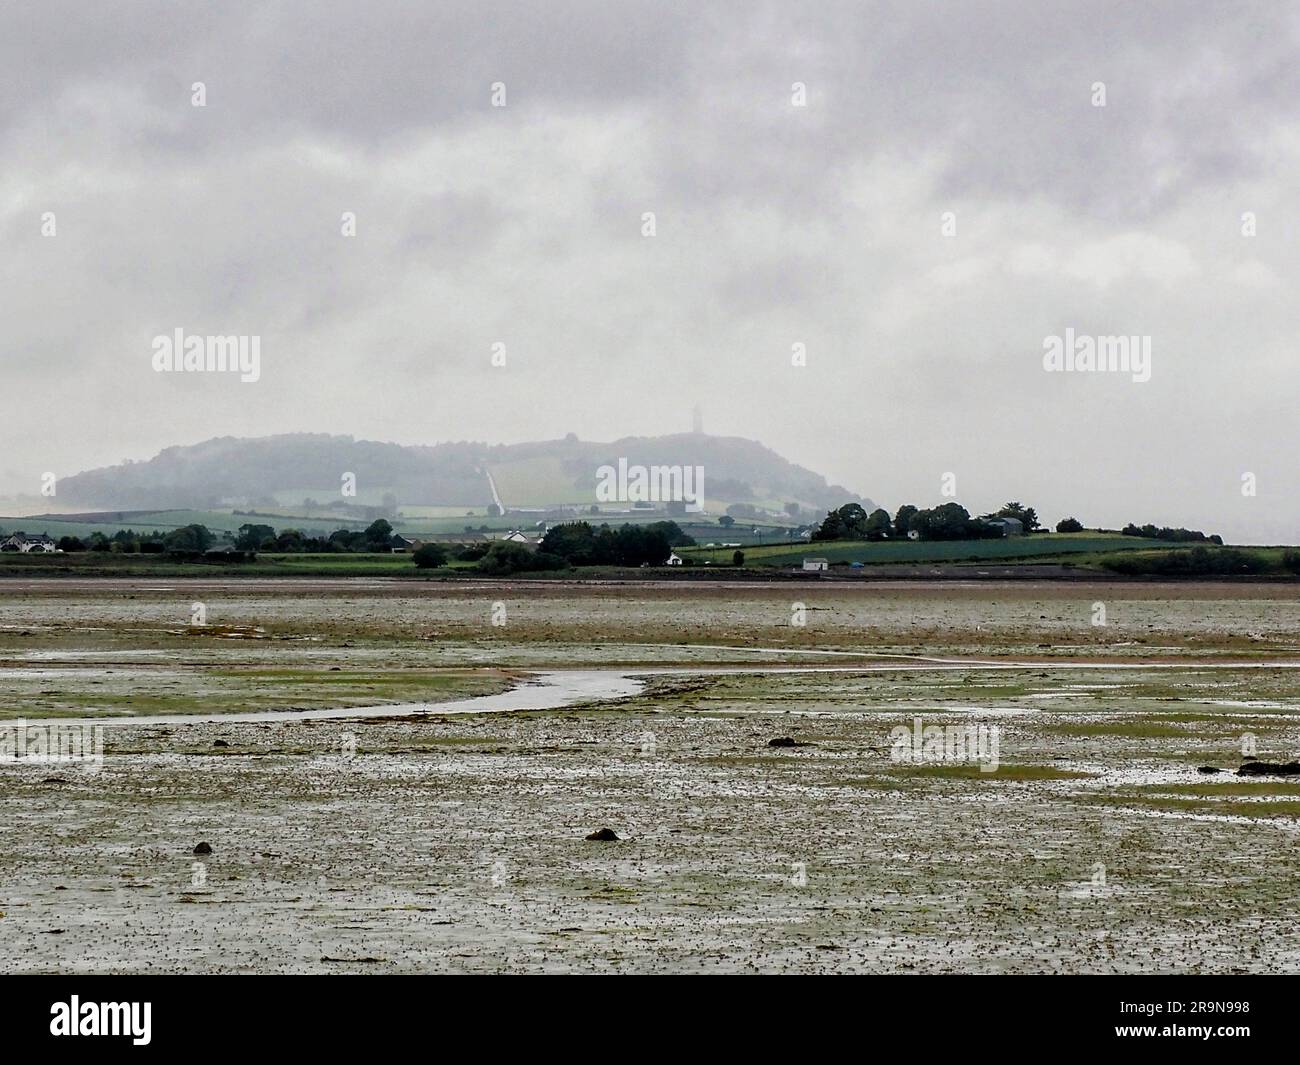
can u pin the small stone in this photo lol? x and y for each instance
(1269, 769)
(604, 835)
(203, 848)
(1208, 769)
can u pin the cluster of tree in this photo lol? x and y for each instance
(430, 556)
(950, 521)
(1176, 536)
(504, 557)
(852, 522)
(124, 541)
(496, 559)
(1027, 516)
(130, 542)
(378, 536)
(571, 544)
(579, 544)
(1195, 562)
(433, 555)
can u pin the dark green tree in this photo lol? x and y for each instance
(903, 520)
(189, 538)
(574, 542)
(379, 535)
(1028, 518)
(253, 537)
(831, 528)
(429, 556)
(877, 525)
(855, 521)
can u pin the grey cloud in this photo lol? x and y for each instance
(776, 225)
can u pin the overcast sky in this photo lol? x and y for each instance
(775, 224)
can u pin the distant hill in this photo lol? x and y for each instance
(288, 469)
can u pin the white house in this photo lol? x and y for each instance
(28, 544)
(515, 536)
(814, 564)
(674, 560)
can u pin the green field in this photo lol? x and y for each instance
(221, 521)
(537, 482)
(109, 564)
(1103, 552)
(414, 521)
(1038, 546)
(542, 481)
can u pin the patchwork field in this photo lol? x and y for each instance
(437, 827)
(1045, 545)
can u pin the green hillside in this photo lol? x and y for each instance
(308, 471)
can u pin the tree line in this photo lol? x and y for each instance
(378, 536)
(949, 521)
(575, 543)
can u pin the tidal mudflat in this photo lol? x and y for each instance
(439, 823)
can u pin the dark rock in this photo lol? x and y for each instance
(1208, 769)
(203, 848)
(785, 741)
(1269, 769)
(604, 835)
(220, 743)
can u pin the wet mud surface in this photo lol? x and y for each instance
(434, 840)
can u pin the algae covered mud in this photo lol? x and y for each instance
(402, 778)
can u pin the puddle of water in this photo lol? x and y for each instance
(546, 691)
(53, 656)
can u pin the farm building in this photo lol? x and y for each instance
(1009, 526)
(814, 564)
(674, 559)
(28, 544)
